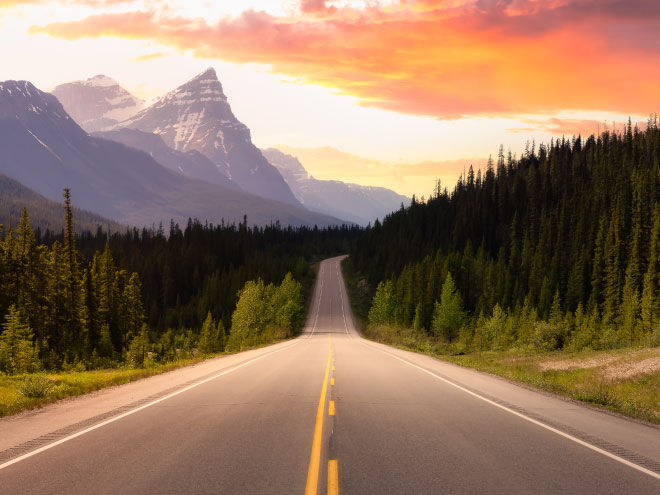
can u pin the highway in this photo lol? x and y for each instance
(328, 412)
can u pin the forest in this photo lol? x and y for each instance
(557, 248)
(104, 299)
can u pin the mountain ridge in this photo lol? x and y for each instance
(197, 116)
(360, 204)
(44, 149)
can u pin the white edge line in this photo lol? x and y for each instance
(527, 418)
(340, 280)
(137, 409)
(318, 306)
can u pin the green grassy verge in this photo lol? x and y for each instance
(22, 392)
(626, 381)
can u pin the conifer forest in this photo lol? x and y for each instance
(556, 248)
(97, 300)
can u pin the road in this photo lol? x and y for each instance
(331, 412)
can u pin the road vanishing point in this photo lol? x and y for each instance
(328, 412)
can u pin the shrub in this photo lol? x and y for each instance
(547, 337)
(35, 386)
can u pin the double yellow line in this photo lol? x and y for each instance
(315, 458)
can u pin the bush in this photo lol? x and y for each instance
(35, 386)
(547, 337)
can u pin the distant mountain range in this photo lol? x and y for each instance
(98, 102)
(359, 204)
(185, 156)
(44, 149)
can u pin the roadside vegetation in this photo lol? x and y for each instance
(264, 315)
(623, 380)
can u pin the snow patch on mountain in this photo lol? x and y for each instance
(97, 102)
(197, 116)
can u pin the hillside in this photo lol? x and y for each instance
(44, 213)
(569, 233)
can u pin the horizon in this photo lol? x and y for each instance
(406, 119)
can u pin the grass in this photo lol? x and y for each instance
(22, 392)
(615, 380)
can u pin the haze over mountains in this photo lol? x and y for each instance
(185, 156)
(44, 213)
(359, 204)
(45, 150)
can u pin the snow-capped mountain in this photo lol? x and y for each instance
(359, 204)
(98, 102)
(197, 116)
(44, 149)
(189, 163)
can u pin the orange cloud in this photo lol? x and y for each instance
(566, 127)
(438, 58)
(149, 56)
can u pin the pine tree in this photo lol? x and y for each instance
(133, 311)
(139, 348)
(448, 315)
(18, 353)
(208, 338)
(383, 305)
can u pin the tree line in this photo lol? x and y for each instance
(103, 299)
(559, 247)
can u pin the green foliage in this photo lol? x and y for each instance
(35, 386)
(18, 353)
(138, 350)
(383, 304)
(265, 313)
(491, 333)
(448, 314)
(211, 337)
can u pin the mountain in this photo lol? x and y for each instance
(44, 149)
(197, 116)
(360, 204)
(190, 163)
(97, 102)
(44, 213)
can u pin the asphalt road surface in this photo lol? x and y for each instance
(330, 412)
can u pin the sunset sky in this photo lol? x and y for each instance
(412, 89)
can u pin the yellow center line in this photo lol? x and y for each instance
(333, 478)
(332, 381)
(333, 368)
(331, 408)
(315, 457)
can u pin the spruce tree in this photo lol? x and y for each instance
(448, 315)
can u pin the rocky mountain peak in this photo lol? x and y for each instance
(21, 100)
(97, 102)
(196, 116)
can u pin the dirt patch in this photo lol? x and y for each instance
(623, 371)
(573, 364)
